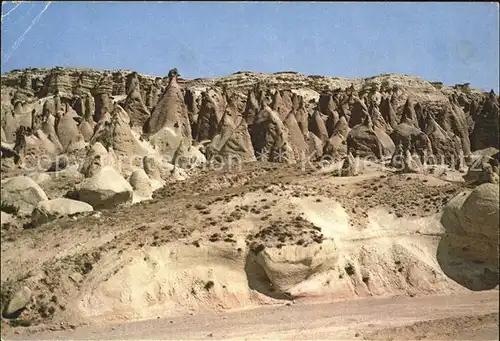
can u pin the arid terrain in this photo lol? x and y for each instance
(461, 317)
(252, 206)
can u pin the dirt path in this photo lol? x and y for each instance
(471, 316)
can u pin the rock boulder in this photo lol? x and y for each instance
(20, 195)
(106, 189)
(48, 210)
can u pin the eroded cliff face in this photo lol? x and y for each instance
(277, 117)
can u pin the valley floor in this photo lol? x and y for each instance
(467, 316)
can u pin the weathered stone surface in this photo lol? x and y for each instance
(6, 218)
(141, 183)
(479, 213)
(107, 188)
(20, 300)
(67, 129)
(67, 103)
(487, 124)
(114, 131)
(171, 111)
(403, 133)
(20, 195)
(349, 166)
(96, 158)
(363, 139)
(134, 103)
(48, 210)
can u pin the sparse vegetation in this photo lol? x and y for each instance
(349, 269)
(437, 85)
(209, 285)
(213, 214)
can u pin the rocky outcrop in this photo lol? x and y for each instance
(483, 168)
(48, 128)
(114, 131)
(6, 218)
(288, 266)
(106, 189)
(252, 107)
(134, 104)
(359, 112)
(397, 159)
(48, 210)
(479, 214)
(18, 301)
(66, 104)
(301, 115)
(364, 141)
(86, 128)
(59, 163)
(190, 157)
(317, 126)
(37, 144)
(167, 141)
(212, 110)
(282, 103)
(9, 125)
(411, 163)
(169, 123)
(405, 134)
(67, 130)
(20, 195)
(452, 120)
(297, 140)
(84, 105)
(103, 96)
(232, 140)
(487, 124)
(328, 107)
(156, 168)
(270, 138)
(349, 166)
(7, 150)
(388, 112)
(409, 115)
(171, 111)
(337, 144)
(96, 158)
(444, 146)
(141, 184)
(315, 147)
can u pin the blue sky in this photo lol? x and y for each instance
(448, 42)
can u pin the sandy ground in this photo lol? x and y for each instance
(180, 266)
(471, 316)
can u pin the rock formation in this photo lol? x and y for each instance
(337, 143)
(48, 210)
(141, 184)
(484, 168)
(363, 139)
(96, 158)
(114, 131)
(443, 145)
(106, 189)
(487, 124)
(349, 166)
(405, 134)
(269, 117)
(170, 111)
(67, 130)
(479, 213)
(20, 195)
(134, 104)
